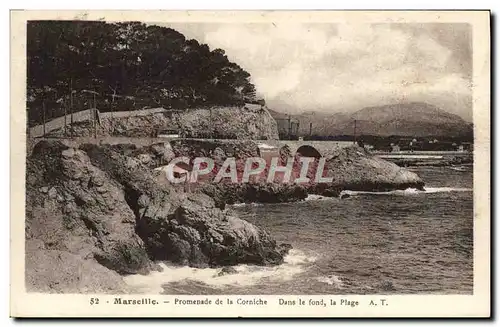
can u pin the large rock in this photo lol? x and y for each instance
(196, 233)
(354, 168)
(84, 212)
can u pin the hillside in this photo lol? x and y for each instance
(125, 66)
(406, 119)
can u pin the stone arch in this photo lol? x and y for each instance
(308, 151)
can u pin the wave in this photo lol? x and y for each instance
(246, 275)
(331, 280)
(410, 191)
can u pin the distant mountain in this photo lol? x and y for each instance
(406, 119)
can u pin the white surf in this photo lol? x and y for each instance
(246, 275)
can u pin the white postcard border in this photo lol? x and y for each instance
(68, 305)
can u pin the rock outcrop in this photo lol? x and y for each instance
(96, 207)
(250, 122)
(355, 169)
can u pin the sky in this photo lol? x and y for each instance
(321, 67)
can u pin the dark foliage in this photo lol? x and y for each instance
(125, 66)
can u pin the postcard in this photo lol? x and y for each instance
(250, 163)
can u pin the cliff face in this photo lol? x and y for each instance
(248, 122)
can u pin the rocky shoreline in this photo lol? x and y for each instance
(102, 212)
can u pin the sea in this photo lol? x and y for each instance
(399, 242)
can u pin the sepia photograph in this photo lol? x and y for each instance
(269, 156)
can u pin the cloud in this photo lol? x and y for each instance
(343, 67)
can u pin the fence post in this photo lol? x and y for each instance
(43, 109)
(95, 122)
(71, 104)
(92, 119)
(95, 116)
(65, 114)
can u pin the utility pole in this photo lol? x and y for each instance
(71, 104)
(289, 127)
(354, 131)
(95, 117)
(310, 129)
(65, 113)
(43, 108)
(92, 118)
(55, 102)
